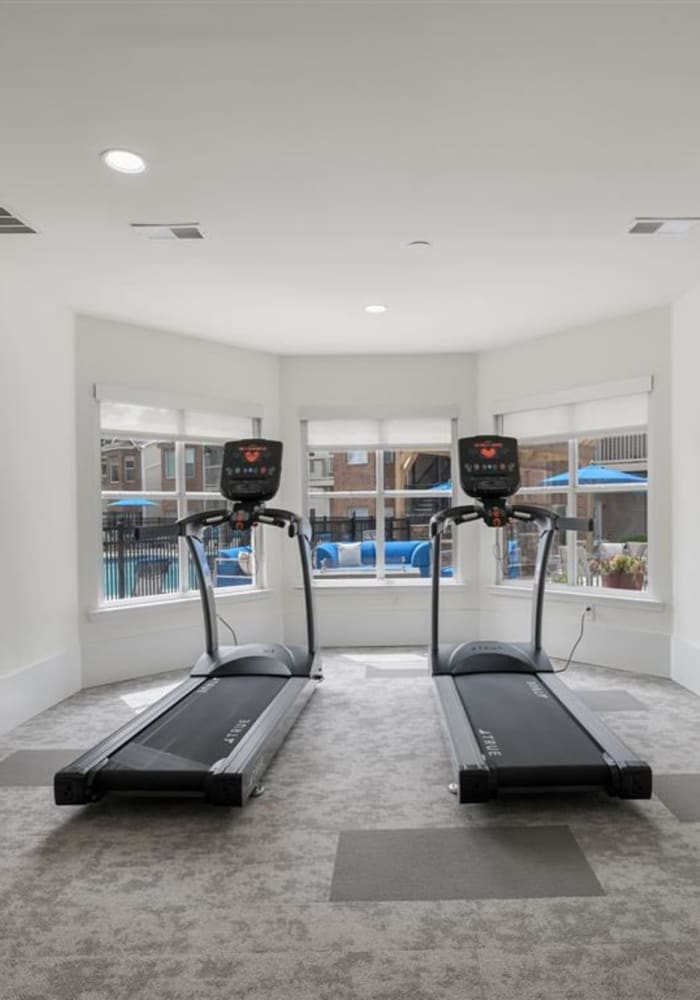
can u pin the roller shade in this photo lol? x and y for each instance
(434, 432)
(597, 416)
(165, 424)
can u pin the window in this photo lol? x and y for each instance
(169, 463)
(190, 462)
(371, 488)
(169, 471)
(590, 472)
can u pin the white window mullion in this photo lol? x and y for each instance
(181, 491)
(379, 515)
(572, 536)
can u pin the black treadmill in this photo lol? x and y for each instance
(215, 734)
(513, 726)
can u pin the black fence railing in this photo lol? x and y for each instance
(362, 529)
(149, 567)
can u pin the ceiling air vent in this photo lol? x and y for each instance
(673, 226)
(9, 223)
(169, 231)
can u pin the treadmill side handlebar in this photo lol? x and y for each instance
(453, 515)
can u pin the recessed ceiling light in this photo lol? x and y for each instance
(376, 309)
(124, 161)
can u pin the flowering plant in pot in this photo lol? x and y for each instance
(622, 571)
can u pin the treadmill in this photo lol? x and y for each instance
(214, 735)
(512, 725)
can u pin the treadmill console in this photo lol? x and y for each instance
(250, 471)
(488, 466)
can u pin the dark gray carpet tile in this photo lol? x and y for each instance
(681, 794)
(611, 700)
(487, 863)
(34, 767)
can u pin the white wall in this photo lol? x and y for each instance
(396, 385)
(128, 642)
(624, 635)
(686, 489)
(39, 649)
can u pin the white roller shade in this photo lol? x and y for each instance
(129, 418)
(165, 424)
(367, 434)
(597, 416)
(216, 426)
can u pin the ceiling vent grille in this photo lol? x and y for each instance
(673, 226)
(10, 223)
(169, 230)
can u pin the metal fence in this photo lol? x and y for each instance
(149, 567)
(361, 529)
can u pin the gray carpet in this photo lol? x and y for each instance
(178, 900)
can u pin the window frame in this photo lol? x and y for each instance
(180, 442)
(380, 495)
(573, 490)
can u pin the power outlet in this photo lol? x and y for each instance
(589, 613)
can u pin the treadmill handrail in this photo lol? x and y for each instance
(438, 523)
(548, 522)
(192, 528)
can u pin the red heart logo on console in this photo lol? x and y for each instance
(251, 456)
(488, 452)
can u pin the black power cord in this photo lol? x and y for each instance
(224, 622)
(575, 645)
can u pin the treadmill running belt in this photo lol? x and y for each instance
(202, 728)
(526, 735)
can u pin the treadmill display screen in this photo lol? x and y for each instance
(251, 469)
(488, 466)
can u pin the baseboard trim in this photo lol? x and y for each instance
(32, 689)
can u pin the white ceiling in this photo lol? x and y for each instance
(312, 141)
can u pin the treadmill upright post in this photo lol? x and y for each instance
(547, 524)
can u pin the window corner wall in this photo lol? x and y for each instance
(624, 634)
(392, 611)
(686, 489)
(123, 642)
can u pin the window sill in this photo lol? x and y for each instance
(592, 595)
(421, 583)
(109, 611)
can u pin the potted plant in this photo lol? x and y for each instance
(622, 571)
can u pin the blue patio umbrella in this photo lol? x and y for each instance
(133, 502)
(592, 475)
